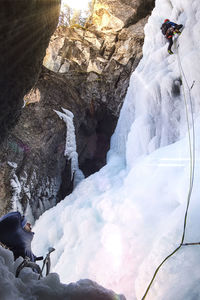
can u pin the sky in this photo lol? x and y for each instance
(76, 4)
(121, 222)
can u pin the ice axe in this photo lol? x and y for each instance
(47, 261)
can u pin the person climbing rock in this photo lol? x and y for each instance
(168, 29)
(16, 234)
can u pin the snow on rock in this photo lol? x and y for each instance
(16, 188)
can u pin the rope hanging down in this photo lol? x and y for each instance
(192, 166)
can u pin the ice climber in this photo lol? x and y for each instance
(17, 235)
(168, 29)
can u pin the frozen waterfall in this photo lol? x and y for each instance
(120, 223)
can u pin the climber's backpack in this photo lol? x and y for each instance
(165, 27)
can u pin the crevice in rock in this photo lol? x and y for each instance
(142, 11)
(66, 186)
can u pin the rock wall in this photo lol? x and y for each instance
(97, 61)
(86, 71)
(106, 51)
(25, 29)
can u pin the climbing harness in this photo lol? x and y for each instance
(192, 167)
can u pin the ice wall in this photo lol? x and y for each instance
(154, 109)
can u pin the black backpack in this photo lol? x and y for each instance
(164, 28)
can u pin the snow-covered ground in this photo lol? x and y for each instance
(28, 287)
(120, 223)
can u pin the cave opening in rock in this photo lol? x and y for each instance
(97, 140)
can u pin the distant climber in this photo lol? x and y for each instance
(17, 235)
(168, 29)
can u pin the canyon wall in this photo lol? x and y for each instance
(86, 71)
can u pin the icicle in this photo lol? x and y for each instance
(70, 147)
(29, 214)
(16, 189)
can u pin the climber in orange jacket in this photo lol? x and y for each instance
(168, 29)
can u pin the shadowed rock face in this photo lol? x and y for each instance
(25, 29)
